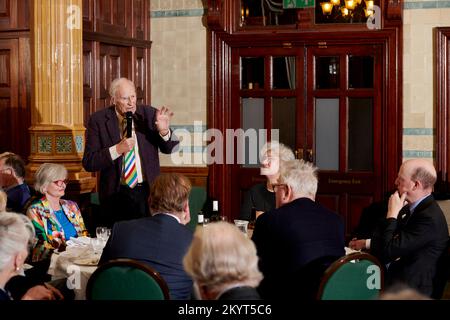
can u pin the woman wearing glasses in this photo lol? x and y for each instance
(55, 220)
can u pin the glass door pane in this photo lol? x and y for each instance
(284, 119)
(327, 134)
(252, 73)
(360, 71)
(252, 115)
(360, 134)
(327, 71)
(283, 72)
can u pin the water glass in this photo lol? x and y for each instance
(97, 245)
(242, 225)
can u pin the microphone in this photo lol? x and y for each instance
(128, 116)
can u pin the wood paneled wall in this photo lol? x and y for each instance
(116, 43)
(15, 75)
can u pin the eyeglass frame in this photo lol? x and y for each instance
(274, 185)
(60, 182)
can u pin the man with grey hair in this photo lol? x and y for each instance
(122, 142)
(414, 234)
(298, 232)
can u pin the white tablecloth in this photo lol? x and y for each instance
(67, 265)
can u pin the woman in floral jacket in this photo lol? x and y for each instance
(55, 220)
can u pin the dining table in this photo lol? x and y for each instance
(76, 264)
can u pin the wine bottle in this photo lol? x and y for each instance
(201, 218)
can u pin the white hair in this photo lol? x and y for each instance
(16, 234)
(47, 173)
(301, 176)
(115, 84)
(220, 255)
(277, 149)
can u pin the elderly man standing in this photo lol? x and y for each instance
(122, 143)
(414, 234)
(298, 232)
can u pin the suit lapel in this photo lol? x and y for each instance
(112, 125)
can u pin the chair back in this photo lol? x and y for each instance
(126, 279)
(197, 199)
(445, 207)
(442, 276)
(357, 276)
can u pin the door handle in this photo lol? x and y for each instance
(298, 153)
(309, 155)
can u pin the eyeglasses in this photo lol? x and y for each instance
(59, 183)
(276, 185)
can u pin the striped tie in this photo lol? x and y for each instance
(129, 164)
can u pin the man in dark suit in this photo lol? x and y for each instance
(297, 233)
(12, 181)
(162, 240)
(127, 165)
(414, 234)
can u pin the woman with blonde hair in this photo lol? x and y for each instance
(223, 263)
(261, 197)
(55, 220)
(16, 233)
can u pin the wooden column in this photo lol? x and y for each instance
(57, 131)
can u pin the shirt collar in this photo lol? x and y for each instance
(169, 214)
(414, 204)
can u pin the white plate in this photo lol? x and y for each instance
(86, 261)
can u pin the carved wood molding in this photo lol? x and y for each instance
(110, 39)
(441, 71)
(394, 9)
(215, 14)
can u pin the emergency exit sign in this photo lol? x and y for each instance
(291, 4)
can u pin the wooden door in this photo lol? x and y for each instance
(326, 104)
(344, 129)
(270, 95)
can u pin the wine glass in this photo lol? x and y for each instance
(97, 245)
(100, 232)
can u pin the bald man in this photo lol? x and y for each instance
(414, 234)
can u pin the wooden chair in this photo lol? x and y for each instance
(357, 276)
(126, 279)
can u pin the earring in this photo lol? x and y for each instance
(17, 268)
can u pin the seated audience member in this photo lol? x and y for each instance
(414, 234)
(55, 220)
(162, 240)
(3, 199)
(223, 263)
(295, 234)
(16, 236)
(26, 287)
(12, 181)
(261, 197)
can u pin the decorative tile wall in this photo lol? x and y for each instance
(419, 19)
(179, 67)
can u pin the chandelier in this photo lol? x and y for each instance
(348, 10)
